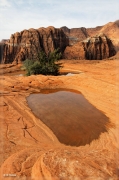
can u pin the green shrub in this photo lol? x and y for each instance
(44, 64)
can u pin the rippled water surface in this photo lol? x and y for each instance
(69, 115)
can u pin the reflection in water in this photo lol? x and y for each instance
(69, 115)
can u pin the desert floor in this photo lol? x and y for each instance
(30, 150)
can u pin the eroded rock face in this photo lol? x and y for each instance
(2, 43)
(75, 34)
(1, 51)
(74, 43)
(27, 43)
(111, 30)
(97, 47)
(74, 52)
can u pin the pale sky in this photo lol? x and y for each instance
(16, 15)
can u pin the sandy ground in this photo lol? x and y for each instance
(30, 150)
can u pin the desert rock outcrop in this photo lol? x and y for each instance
(27, 43)
(74, 43)
(97, 47)
(111, 30)
(1, 51)
(75, 34)
(2, 43)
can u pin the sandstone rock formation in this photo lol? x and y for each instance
(97, 47)
(75, 34)
(27, 43)
(28, 148)
(1, 51)
(111, 30)
(78, 43)
(2, 43)
(79, 34)
(74, 52)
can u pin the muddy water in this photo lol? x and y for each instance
(69, 115)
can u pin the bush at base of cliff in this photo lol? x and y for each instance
(44, 64)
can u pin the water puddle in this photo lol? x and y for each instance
(69, 115)
(23, 73)
(67, 73)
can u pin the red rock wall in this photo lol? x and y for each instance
(74, 52)
(27, 43)
(75, 43)
(98, 47)
(75, 34)
(1, 51)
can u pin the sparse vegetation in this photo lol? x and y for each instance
(44, 64)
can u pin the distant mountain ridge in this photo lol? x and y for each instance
(74, 43)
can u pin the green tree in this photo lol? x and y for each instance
(44, 64)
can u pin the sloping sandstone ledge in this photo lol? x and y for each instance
(29, 149)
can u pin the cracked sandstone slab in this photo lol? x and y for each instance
(46, 157)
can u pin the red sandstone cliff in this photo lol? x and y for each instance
(97, 47)
(27, 43)
(75, 34)
(75, 43)
(111, 30)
